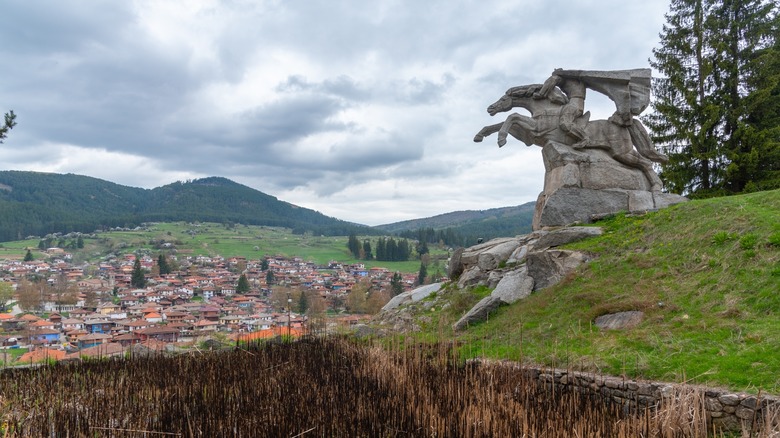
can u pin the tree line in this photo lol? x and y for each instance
(388, 249)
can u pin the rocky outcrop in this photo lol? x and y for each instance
(515, 267)
(512, 287)
(580, 185)
(550, 266)
(480, 312)
(417, 294)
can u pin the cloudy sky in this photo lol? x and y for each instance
(362, 110)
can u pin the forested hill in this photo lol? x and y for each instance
(465, 227)
(33, 203)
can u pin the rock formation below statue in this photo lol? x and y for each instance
(580, 186)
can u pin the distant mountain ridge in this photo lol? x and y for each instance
(472, 224)
(38, 203)
(35, 203)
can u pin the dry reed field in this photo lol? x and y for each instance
(330, 387)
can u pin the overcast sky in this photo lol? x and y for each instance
(362, 110)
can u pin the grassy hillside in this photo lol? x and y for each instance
(706, 274)
(210, 239)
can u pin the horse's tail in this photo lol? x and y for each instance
(644, 145)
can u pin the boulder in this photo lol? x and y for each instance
(551, 266)
(492, 257)
(493, 278)
(566, 235)
(619, 320)
(470, 255)
(455, 266)
(478, 313)
(417, 294)
(571, 205)
(471, 277)
(519, 255)
(514, 286)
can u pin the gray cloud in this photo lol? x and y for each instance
(364, 111)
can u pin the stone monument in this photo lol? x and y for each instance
(592, 167)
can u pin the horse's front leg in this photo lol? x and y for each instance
(486, 131)
(506, 126)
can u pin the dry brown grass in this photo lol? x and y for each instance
(317, 388)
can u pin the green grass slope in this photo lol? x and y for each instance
(707, 275)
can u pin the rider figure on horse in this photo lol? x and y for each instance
(575, 91)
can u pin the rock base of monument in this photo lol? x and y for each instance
(580, 186)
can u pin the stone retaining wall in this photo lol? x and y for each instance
(723, 410)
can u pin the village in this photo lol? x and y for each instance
(192, 307)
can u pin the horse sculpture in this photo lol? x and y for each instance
(543, 126)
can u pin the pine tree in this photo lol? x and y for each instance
(8, 124)
(391, 250)
(28, 257)
(396, 284)
(748, 51)
(685, 118)
(367, 255)
(353, 244)
(243, 285)
(422, 248)
(137, 279)
(716, 106)
(303, 303)
(422, 274)
(381, 254)
(162, 263)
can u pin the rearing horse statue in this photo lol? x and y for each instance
(543, 126)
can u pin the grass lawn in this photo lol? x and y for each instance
(705, 273)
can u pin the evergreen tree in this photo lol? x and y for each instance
(396, 284)
(264, 265)
(422, 274)
(354, 246)
(685, 117)
(422, 248)
(716, 106)
(243, 285)
(303, 303)
(391, 250)
(162, 263)
(749, 52)
(28, 257)
(137, 279)
(380, 249)
(404, 250)
(80, 242)
(8, 124)
(269, 277)
(367, 255)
